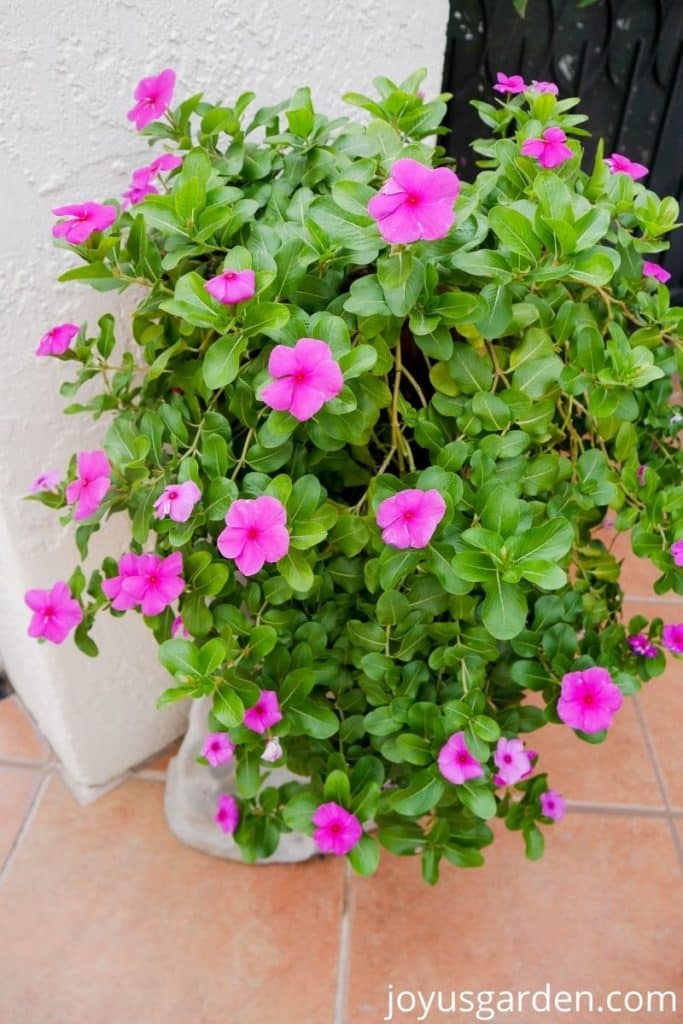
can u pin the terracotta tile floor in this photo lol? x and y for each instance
(106, 919)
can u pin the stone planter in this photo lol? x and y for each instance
(192, 790)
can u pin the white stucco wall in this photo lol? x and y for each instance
(68, 69)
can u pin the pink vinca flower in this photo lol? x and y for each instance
(545, 87)
(512, 761)
(218, 749)
(415, 203)
(153, 96)
(677, 551)
(177, 501)
(272, 751)
(86, 218)
(178, 628)
(336, 830)
(139, 188)
(265, 713)
(227, 813)
(57, 340)
(552, 805)
(164, 163)
(55, 613)
(672, 638)
(589, 700)
(619, 164)
(509, 83)
(48, 481)
(641, 646)
(141, 180)
(550, 150)
(91, 484)
(255, 533)
(232, 286)
(306, 376)
(120, 599)
(651, 269)
(455, 761)
(157, 582)
(408, 519)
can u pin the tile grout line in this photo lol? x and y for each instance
(344, 950)
(661, 781)
(650, 599)
(621, 810)
(25, 826)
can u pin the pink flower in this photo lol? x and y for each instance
(153, 96)
(545, 87)
(552, 805)
(416, 202)
(654, 270)
(165, 162)
(177, 501)
(640, 474)
(306, 376)
(91, 484)
(677, 551)
(455, 761)
(272, 751)
(141, 181)
(48, 481)
(227, 813)
(86, 218)
(619, 164)
(218, 749)
(672, 638)
(512, 760)
(156, 582)
(509, 83)
(409, 518)
(550, 150)
(113, 587)
(232, 286)
(640, 645)
(589, 700)
(57, 340)
(135, 193)
(55, 613)
(254, 533)
(178, 628)
(265, 713)
(336, 830)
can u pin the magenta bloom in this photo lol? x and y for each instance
(651, 269)
(455, 761)
(509, 83)
(589, 700)
(164, 163)
(153, 96)
(137, 191)
(48, 481)
(640, 645)
(306, 376)
(254, 533)
(512, 760)
(86, 218)
(677, 551)
(416, 202)
(552, 805)
(550, 150)
(178, 628)
(232, 286)
(672, 638)
(265, 713)
(409, 518)
(619, 164)
(120, 599)
(272, 751)
(218, 749)
(57, 340)
(156, 583)
(336, 830)
(91, 484)
(545, 87)
(55, 613)
(177, 501)
(141, 181)
(227, 813)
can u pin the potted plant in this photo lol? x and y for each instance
(366, 429)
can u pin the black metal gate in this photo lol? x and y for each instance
(624, 58)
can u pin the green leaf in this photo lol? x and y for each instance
(534, 843)
(479, 800)
(267, 318)
(296, 570)
(314, 718)
(338, 788)
(550, 541)
(248, 774)
(180, 657)
(504, 610)
(421, 794)
(515, 232)
(192, 302)
(402, 279)
(299, 810)
(228, 707)
(222, 360)
(364, 857)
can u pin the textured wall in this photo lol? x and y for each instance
(68, 68)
